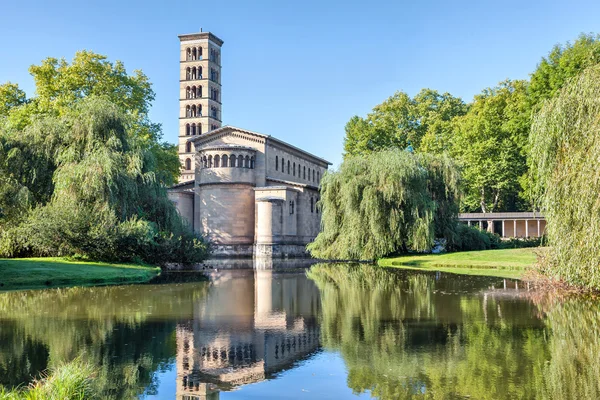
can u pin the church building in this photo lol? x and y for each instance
(248, 193)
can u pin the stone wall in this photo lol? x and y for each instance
(225, 213)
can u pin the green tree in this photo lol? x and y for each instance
(490, 146)
(565, 140)
(105, 200)
(60, 85)
(386, 202)
(400, 119)
(562, 63)
(10, 96)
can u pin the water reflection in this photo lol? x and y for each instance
(393, 335)
(251, 325)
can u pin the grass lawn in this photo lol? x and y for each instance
(34, 273)
(506, 263)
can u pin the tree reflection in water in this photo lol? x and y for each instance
(400, 334)
(438, 336)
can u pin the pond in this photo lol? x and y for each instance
(329, 332)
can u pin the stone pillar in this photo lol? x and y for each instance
(514, 228)
(480, 224)
(503, 229)
(526, 228)
(538, 228)
(468, 222)
(269, 226)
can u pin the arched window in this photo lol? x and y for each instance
(193, 114)
(199, 53)
(199, 91)
(247, 162)
(291, 206)
(288, 166)
(188, 56)
(188, 93)
(188, 112)
(199, 129)
(232, 160)
(276, 163)
(199, 72)
(193, 129)
(194, 54)
(205, 161)
(188, 74)
(194, 76)
(313, 175)
(309, 173)
(294, 169)
(317, 206)
(188, 164)
(210, 162)
(187, 130)
(304, 172)
(225, 160)
(252, 162)
(217, 161)
(282, 164)
(191, 92)
(318, 177)
(188, 147)
(312, 205)
(199, 110)
(240, 162)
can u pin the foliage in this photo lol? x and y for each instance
(61, 85)
(100, 197)
(10, 96)
(386, 202)
(489, 145)
(563, 62)
(488, 137)
(69, 381)
(565, 141)
(469, 238)
(400, 119)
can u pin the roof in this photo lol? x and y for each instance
(500, 215)
(181, 184)
(200, 35)
(291, 183)
(262, 135)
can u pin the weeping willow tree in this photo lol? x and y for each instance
(565, 140)
(386, 202)
(103, 198)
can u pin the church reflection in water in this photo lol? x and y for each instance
(251, 325)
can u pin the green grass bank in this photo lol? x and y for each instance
(36, 273)
(505, 263)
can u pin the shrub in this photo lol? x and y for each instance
(467, 238)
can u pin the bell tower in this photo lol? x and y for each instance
(199, 93)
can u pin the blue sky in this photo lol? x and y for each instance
(300, 70)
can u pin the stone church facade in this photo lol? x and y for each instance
(248, 193)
